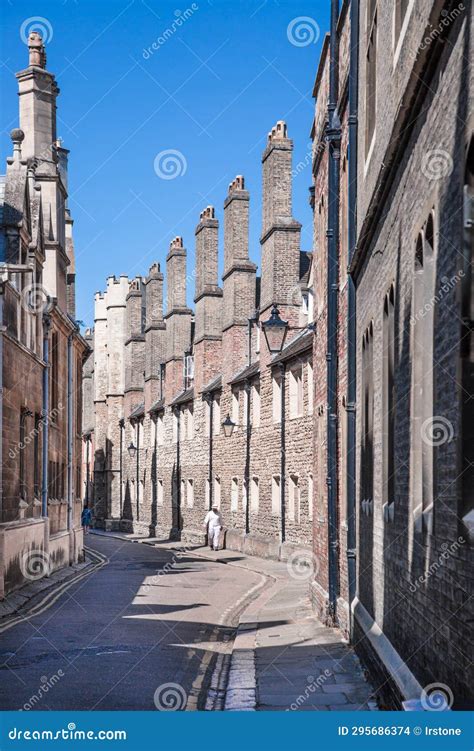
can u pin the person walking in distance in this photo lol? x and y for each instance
(86, 519)
(213, 524)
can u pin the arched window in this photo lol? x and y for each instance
(467, 350)
(367, 422)
(388, 396)
(422, 317)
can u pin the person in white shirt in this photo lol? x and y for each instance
(213, 523)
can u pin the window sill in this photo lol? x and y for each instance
(423, 520)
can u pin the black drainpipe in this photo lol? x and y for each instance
(210, 401)
(333, 137)
(247, 387)
(45, 415)
(178, 467)
(351, 311)
(138, 470)
(283, 452)
(121, 425)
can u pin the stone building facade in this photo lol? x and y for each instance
(163, 382)
(353, 446)
(409, 254)
(42, 351)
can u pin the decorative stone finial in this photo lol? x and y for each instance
(17, 137)
(176, 242)
(37, 50)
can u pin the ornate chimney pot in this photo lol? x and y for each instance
(37, 50)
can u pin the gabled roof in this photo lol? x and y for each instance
(214, 385)
(248, 372)
(303, 342)
(185, 396)
(139, 411)
(157, 406)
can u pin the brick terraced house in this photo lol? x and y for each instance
(42, 351)
(163, 383)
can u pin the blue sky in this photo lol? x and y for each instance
(211, 91)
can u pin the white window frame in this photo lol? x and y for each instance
(276, 495)
(234, 494)
(310, 386)
(256, 405)
(254, 495)
(190, 492)
(276, 397)
(296, 390)
(159, 492)
(216, 498)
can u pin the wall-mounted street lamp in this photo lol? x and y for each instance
(275, 330)
(228, 426)
(132, 451)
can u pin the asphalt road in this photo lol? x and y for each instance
(116, 639)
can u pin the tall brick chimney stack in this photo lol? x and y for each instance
(155, 331)
(116, 306)
(208, 300)
(239, 279)
(178, 318)
(134, 346)
(100, 385)
(280, 238)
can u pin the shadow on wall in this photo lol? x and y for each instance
(425, 605)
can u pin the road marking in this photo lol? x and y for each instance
(52, 597)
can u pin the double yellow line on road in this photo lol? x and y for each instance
(99, 561)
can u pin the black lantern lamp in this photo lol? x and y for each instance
(228, 426)
(275, 330)
(132, 451)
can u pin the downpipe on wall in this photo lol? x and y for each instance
(351, 314)
(45, 410)
(333, 137)
(70, 434)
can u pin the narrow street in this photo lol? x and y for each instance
(148, 618)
